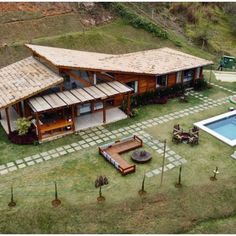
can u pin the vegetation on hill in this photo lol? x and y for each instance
(209, 26)
(202, 29)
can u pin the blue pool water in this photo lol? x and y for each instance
(225, 127)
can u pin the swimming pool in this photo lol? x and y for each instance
(222, 127)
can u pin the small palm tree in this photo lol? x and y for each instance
(179, 184)
(101, 181)
(56, 202)
(142, 190)
(12, 203)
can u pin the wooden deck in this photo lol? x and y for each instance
(112, 153)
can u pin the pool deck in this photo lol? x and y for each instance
(202, 125)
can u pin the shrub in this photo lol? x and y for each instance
(138, 21)
(134, 112)
(23, 125)
(200, 84)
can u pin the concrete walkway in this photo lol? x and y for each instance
(225, 76)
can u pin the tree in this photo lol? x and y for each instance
(101, 181)
(142, 190)
(179, 184)
(23, 125)
(12, 203)
(56, 202)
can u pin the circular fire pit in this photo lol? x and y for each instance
(141, 156)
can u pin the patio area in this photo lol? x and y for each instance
(95, 119)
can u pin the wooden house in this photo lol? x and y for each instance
(67, 90)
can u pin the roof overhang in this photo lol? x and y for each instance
(151, 62)
(25, 79)
(77, 96)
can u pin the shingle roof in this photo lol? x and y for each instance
(153, 62)
(24, 79)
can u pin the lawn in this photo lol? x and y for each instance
(196, 207)
(211, 77)
(155, 110)
(12, 152)
(202, 159)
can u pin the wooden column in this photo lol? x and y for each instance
(8, 119)
(128, 103)
(104, 111)
(92, 106)
(38, 126)
(182, 77)
(94, 79)
(73, 117)
(24, 108)
(61, 87)
(21, 110)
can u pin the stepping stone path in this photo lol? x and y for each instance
(99, 135)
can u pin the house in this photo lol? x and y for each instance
(68, 90)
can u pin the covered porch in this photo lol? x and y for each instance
(95, 119)
(69, 111)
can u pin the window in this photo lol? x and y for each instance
(133, 85)
(179, 77)
(198, 72)
(188, 75)
(161, 81)
(85, 108)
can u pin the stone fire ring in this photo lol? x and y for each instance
(141, 156)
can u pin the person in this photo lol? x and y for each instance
(221, 64)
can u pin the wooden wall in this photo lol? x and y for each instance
(145, 82)
(171, 79)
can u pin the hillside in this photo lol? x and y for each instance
(201, 29)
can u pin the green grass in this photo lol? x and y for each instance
(210, 76)
(12, 152)
(155, 110)
(216, 225)
(209, 153)
(163, 210)
(196, 207)
(116, 37)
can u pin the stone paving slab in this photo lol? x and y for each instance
(39, 160)
(43, 154)
(21, 166)
(149, 174)
(10, 164)
(46, 158)
(170, 166)
(72, 150)
(54, 151)
(30, 163)
(3, 172)
(28, 158)
(156, 172)
(19, 161)
(13, 168)
(35, 156)
(55, 155)
(74, 144)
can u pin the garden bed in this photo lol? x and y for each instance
(29, 138)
